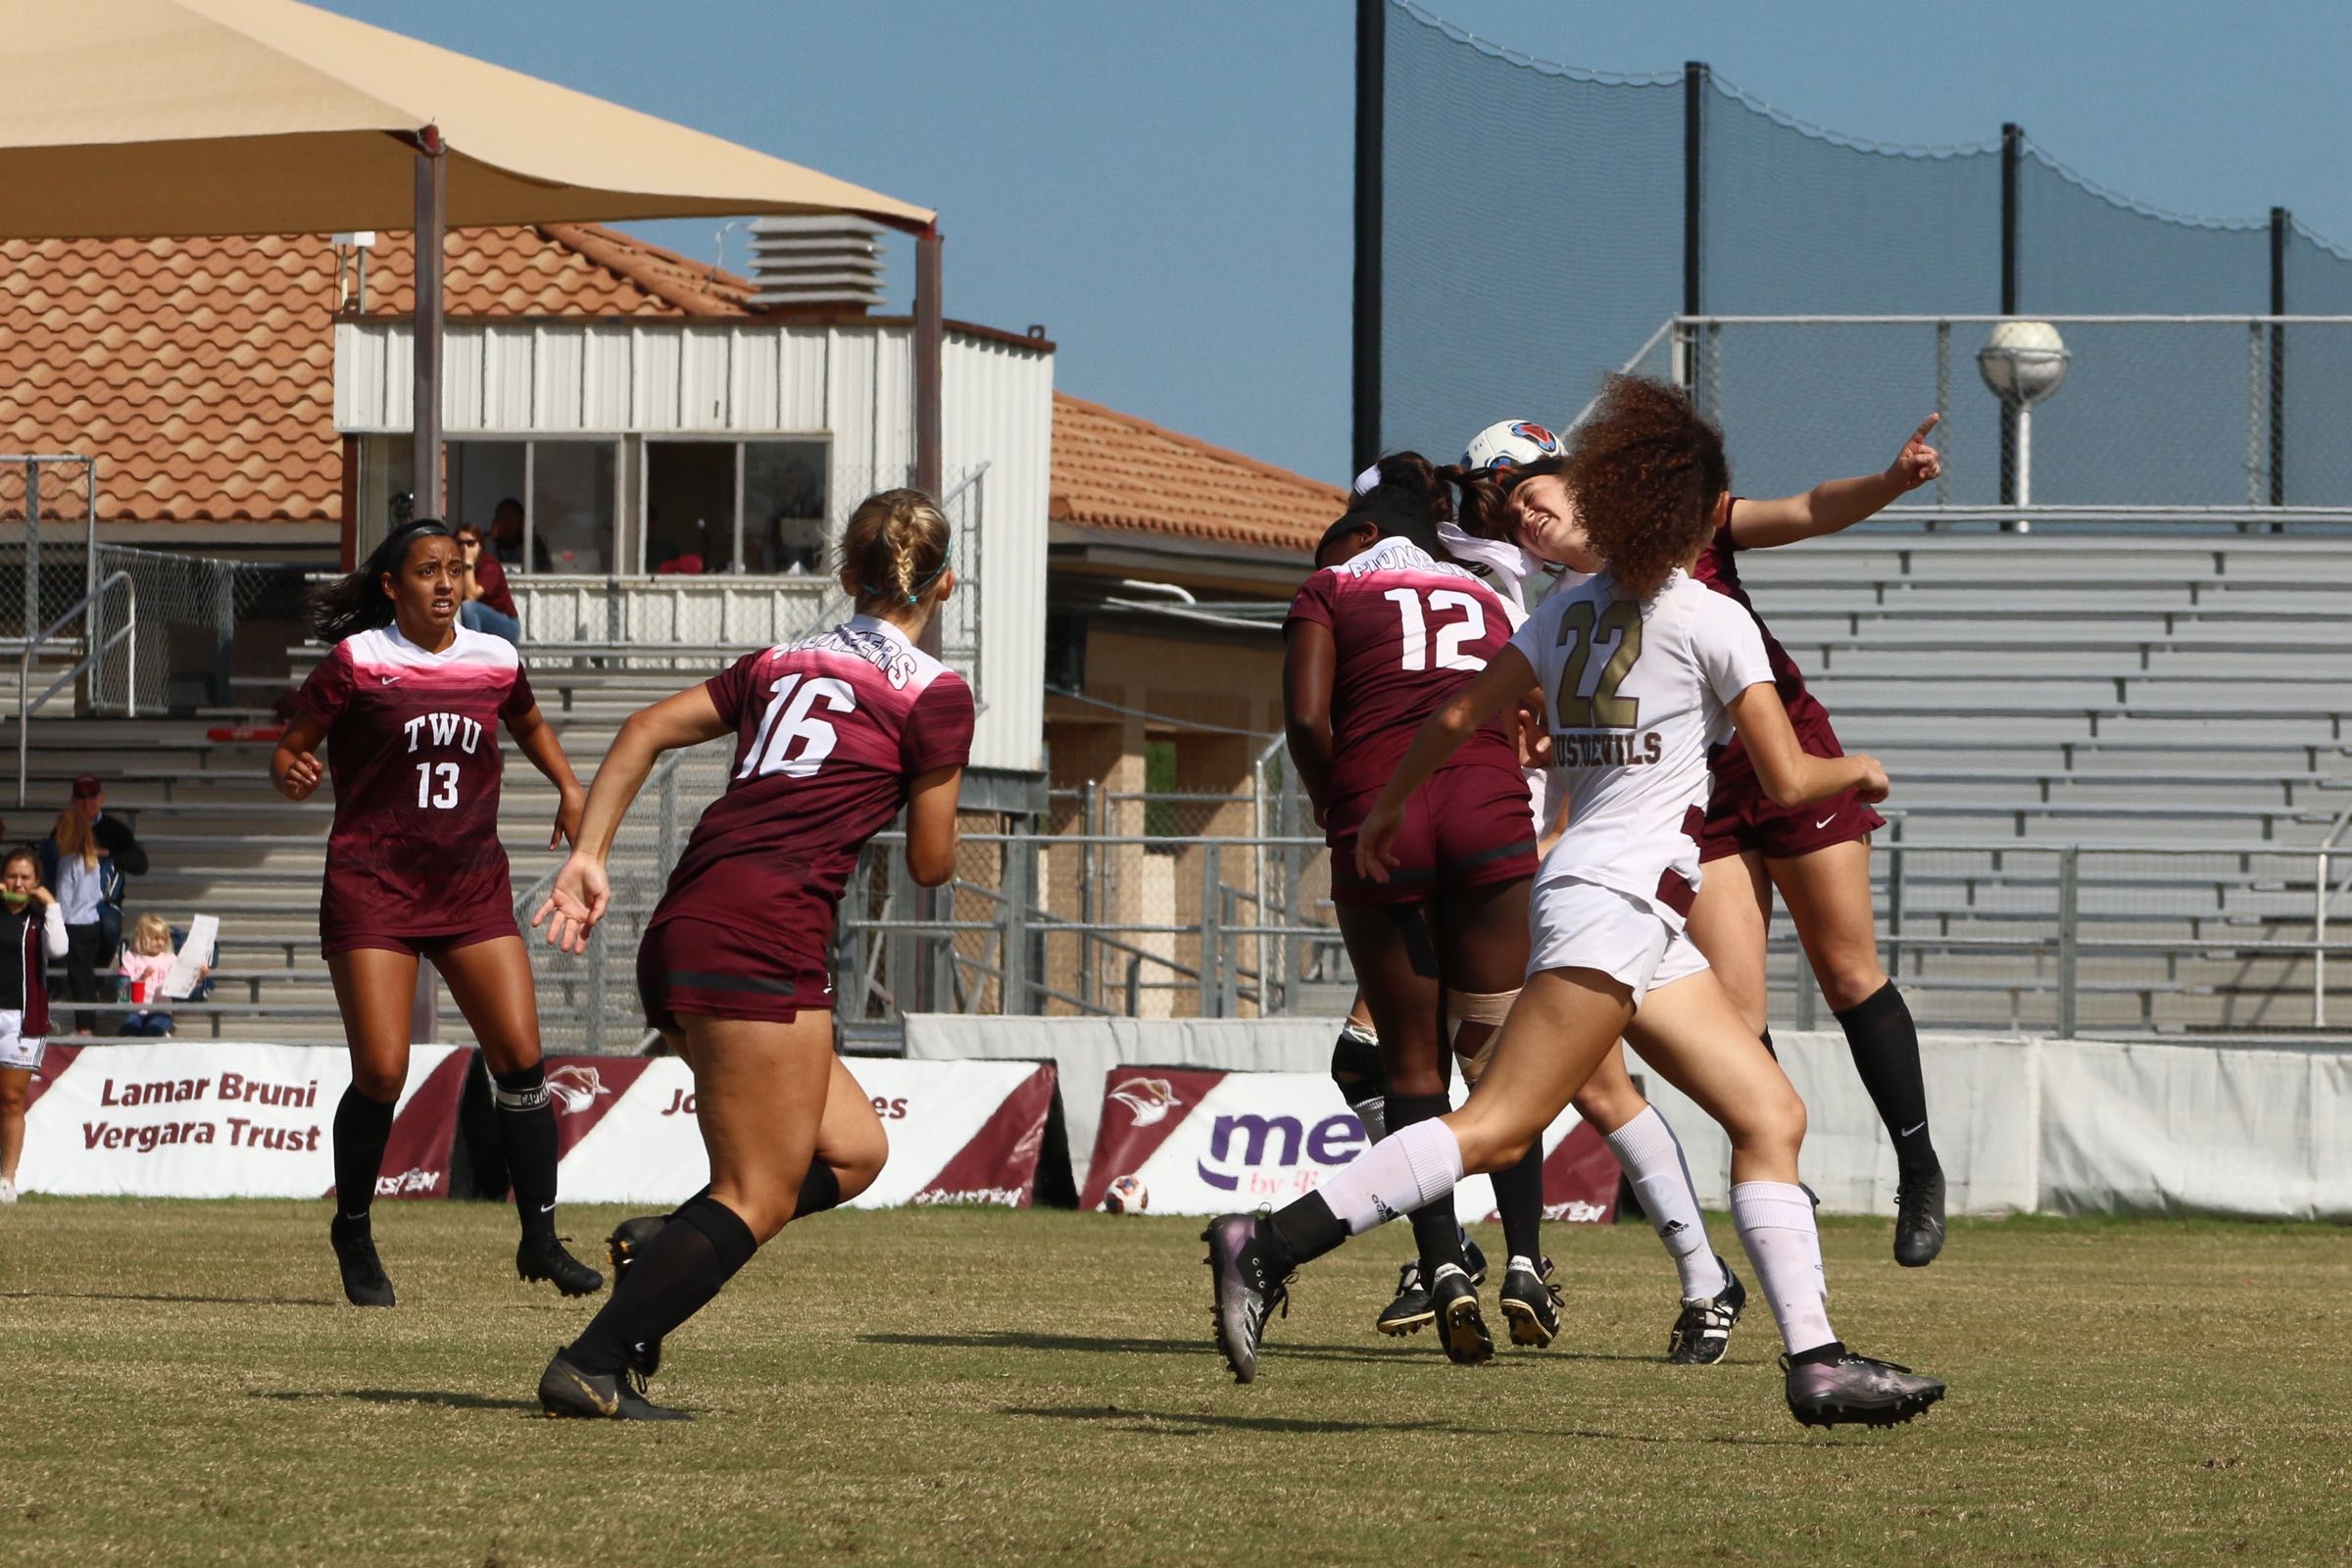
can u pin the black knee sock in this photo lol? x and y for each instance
(820, 1190)
(526, 1137)
(702, 1191)
(675, 1277)
(1434, 1230)
(362, 1126)
(1519, 1200)
(1885, 1047)
(1299, 1231)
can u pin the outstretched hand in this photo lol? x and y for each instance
(1917, 463)
(581, 895)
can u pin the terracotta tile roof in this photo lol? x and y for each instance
(1114, 471)
(201, 372)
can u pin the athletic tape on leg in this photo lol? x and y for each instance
(1477, 1007)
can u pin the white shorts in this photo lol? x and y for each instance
(1583, 925)
(15, 1050)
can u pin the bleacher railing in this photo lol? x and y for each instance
(2227, 421)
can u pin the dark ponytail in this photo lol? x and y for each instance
(1408, 500)
(358, 602)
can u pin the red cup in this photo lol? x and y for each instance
(138, 990)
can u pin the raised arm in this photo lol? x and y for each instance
(1791, 774)
(536, 739)
(1836, 504)
(1308, 660)
(581, 892)
(1501, 685)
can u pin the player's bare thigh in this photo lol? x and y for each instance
(1729, 923)
(1482, 950)
(375, 991)
(760, 1092)
(1828, 896)
(1692, 1034)
(491, 984)
(849, 1137)
(1609, 1098)
(1397, 969)
(1563, 1023)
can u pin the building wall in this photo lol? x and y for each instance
(851, 385)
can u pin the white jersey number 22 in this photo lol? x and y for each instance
(1451, 638)
(789, 719)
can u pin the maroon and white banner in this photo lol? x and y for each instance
(961, 1131)
(1207, 1142)
(213, 1119)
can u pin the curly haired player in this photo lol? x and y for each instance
(1817, 856)
(834, 735)
(1641, 671)
(409, 703)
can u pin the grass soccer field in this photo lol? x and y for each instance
(185, 1384)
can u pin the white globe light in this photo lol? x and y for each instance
(2022, 362)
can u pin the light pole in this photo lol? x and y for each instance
(2022, 364)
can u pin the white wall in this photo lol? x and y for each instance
(852, 385)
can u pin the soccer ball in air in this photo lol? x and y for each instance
(1510, 444)
(1126, 1196)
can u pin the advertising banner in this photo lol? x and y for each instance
(216, 1119)
(961, 1131)
(1207, 1142)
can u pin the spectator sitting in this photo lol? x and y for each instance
(147, 961)
(489, 604)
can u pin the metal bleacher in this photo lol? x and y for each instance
(2115, 759)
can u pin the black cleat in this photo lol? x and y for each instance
(365, 1283)
(1531, 1304)
(1703, 1332)
(1460, 1328)
(628, 1239)
(1919, 1220)
(567, 1391)
(1855, 1389)
(546, 1260)
(1247, 1288)
(1410, 1312)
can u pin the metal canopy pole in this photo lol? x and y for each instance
(432, 214)
(2013, 141)
(2280, 219)
(1371, 73)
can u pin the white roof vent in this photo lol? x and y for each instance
(830, 261)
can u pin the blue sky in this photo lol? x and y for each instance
(1165, 186)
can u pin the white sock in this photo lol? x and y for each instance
(1653, 1163)
(1775, 1221)
(1396, 1176)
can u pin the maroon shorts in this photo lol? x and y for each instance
(334, 938)
(747, 970)
(1740, 816)
(1468, 826)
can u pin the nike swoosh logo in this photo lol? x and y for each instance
(605, 1405)
(391, 680)
(550, 1208)
(1825, 821)
(1905, 1133)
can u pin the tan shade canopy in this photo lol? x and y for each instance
(266, 116)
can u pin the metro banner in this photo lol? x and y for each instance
(222, 1121)
(961, 1131)
(1208, 1142)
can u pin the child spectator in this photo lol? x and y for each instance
(146, 965)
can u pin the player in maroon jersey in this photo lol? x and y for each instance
(409, 703)
(1379, 638)
(1817, 856)
(834, 735)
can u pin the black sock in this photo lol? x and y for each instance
(820, 1190)
(675, 1277)
(362, 1126)
(1819, 1354)
(1519, 1200)
(1885, 1047)
(1299, 1233)
(526, 1137)
(1435, 1231)
(1765, 1035)
(702, 1191)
